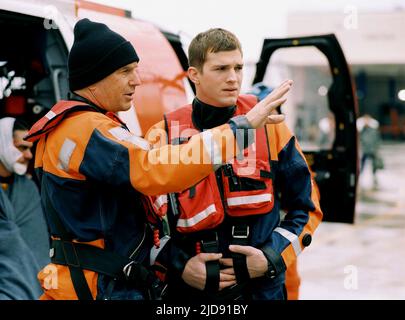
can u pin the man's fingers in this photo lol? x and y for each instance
(228, 262)
(276, 103)
(210, 256)
(246, 250)
(226, 277)
(275, 119)
(230, 271)
(225, 284)
(272, 104)
(280, 90)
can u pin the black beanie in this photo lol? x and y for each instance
(97, 52)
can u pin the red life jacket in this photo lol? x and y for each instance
(243, 188)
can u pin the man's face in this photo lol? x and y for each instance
(115, 92)
(23, 146)
(220, 80)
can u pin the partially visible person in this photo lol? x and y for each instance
(23, 231)
(327, 129)
(370, 141)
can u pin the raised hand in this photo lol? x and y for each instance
(265, 111)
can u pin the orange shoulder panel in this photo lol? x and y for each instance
(74, 132)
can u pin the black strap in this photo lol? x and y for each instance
(80, 285)
(96, 259)
(192, 192)
(210, 245)
(79, 256)
(240, 236)
(212, 282)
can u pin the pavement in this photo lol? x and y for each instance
(365, 260)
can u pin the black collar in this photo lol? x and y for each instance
(7, 180)
(205, 116)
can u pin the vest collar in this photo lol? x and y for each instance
(76, 97)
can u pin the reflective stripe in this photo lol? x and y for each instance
(160, 201)
(139, 142)
(237, 201)
(154, 252)
(212, 147)
(290, 237)
(50, 115)
(120, 133)
(185, 223)
(124, 135)
(65, 154)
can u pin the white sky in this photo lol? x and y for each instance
(250, 20)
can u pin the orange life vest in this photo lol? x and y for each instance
(58, 112)
(243, 187)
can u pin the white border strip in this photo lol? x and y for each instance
(290, 237)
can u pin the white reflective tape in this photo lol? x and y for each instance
(160, 201)
(65, 154)
(212, 147)
(237, 201)
(50, 115)
(154, 252)
(124, 135)
(186, 223)
(290, 237)
(120, 133)
(139, 142)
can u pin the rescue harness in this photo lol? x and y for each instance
(238, 190)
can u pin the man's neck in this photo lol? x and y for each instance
(76, 96)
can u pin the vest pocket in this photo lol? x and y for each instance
(248, 190)
(200, 207)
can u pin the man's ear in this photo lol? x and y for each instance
(193, 75)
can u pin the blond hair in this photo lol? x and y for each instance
(213, 40)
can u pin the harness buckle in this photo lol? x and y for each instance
(210, 245)
(137, 273)
(127, 270)
(240, 233)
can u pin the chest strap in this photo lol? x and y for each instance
(209, 244)
(240, 236)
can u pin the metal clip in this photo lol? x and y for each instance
(245, 236)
